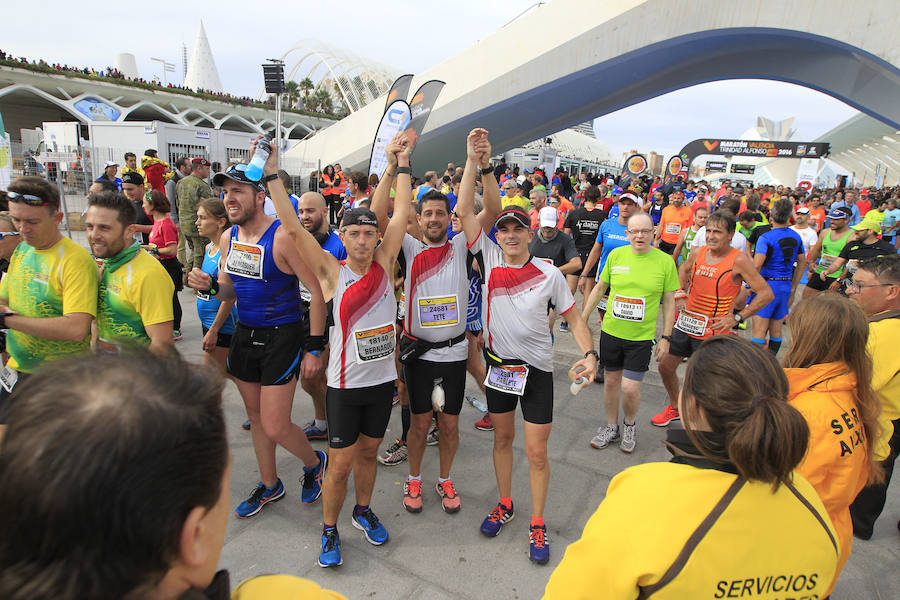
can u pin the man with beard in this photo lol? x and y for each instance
(262, 270)
(135, 305)
(313, 212)
(436, 289)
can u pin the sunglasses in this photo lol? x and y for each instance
(4, 234)
(27, 199)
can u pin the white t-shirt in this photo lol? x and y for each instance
(269, 206)
(738, 241)
(808, 235)
(517, 302)
(437, 294)
(363, 336)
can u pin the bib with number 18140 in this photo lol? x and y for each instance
(628, 309)
(374, 343)
(438, 311)
(245, 259)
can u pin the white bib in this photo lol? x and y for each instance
(376, 343)
(245, 260)
(692, 323)
(628, 309)
(8, 378)
(438, 311)
(508, 379)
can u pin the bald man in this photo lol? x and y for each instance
(313, 216)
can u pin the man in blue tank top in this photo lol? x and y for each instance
(361, 369)
(260, 267)
(780, 259)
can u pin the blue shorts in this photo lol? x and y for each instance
(778, 308)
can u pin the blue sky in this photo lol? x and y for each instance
(244, 34)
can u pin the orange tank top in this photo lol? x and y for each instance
(710, 296)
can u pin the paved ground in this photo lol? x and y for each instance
(434, 555)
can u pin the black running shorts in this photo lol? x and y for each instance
(266, 355)
(223, 340)
(420, 376)
(682, 344)
(537, 401)
(667, 247)
(354, 411)
(818, 283)
(617, 354)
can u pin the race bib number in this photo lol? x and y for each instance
(438, 311)
(628, 309)
(852, 266)
(203, 296)
(374, 344)
(509, 379)
(826, 260)
(673, 228)
(692, 323)
(305, 294)
(245, 260)
(8, 378)
(604, 302)
(401, 307)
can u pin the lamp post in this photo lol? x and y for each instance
(166, 67)
(273, 76)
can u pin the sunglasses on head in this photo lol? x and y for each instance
(27, 199)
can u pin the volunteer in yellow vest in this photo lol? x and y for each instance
(731, 479)
(48, 297)
(676, 217)
(638, 277)
(830, 373)
(876, 288)
(135, 307)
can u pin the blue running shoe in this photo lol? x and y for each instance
(540, 544)
(312, 479)
(313, 433)
(499, 517)
(369, 524)
(259, 497)
(330, 556)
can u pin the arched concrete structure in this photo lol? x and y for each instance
(618, 53)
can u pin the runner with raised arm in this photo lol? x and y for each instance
(520, 291)
(361, 369)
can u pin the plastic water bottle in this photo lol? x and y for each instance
(254, 170)
(477, 404)
(437, 395)
(577, 383)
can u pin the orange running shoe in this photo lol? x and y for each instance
(449, 499)
(412, 495)
(669, 414)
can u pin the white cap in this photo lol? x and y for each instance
(548, 217)
(110, 163)
(610, 182)
(520, 179)
(633, 197)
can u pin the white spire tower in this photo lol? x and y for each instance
(202, 72)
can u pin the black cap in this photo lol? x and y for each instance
(235, 173)
(133, 177)
(514, 212)
(359, 216)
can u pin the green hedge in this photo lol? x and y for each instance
(155, 88)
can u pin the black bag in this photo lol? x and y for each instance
(410, 348)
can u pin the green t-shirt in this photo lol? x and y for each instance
(58, 281)
(637, 283)
(137, 294)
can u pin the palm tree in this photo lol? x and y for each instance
(292, 90)
(324, 101)
(306, 85)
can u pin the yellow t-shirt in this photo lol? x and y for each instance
(137, 294)
(883, 336)
(267, 587)
(520, 201)
(58, 281)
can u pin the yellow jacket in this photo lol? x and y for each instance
(278, 587)
(761, 545)
(836, 463)
(883, 336)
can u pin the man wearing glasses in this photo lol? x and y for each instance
(638, 276)
(876, 288)
(48, 298)
(865, 243)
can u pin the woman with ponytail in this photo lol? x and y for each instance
(830, 377)
(744, 523)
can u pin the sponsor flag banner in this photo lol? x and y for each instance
(673, 168)
(420, 108)
(806, 173)
(5, 157)
(395, 119)
(399, 90)
(633, 167)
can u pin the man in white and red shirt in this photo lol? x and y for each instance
(436, 287)
(520, 291)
